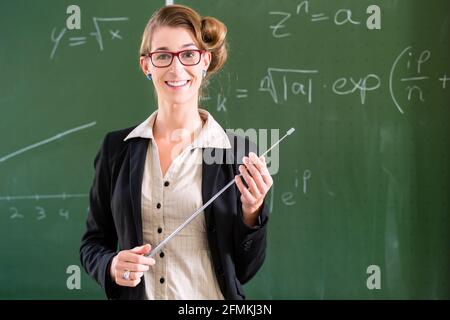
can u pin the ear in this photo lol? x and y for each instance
(206, 60)
(145, 65)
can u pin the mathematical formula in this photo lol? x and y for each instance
(340, 18)
(99, 34)
(405, 78)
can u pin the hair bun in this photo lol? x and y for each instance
(213, 33)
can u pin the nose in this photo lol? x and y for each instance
(176, 64)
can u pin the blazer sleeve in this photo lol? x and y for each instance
(250, 242)
(99, 242)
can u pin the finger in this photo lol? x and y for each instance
(135, 267)
(142, 249)
(136, 275)
(256, 175)
(247, 197)
(132, 276)
(266, 175)
(250, 182)
(128, 256)
(127, 283)
(260, 163)
(239, 184)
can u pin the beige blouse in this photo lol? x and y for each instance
(183, 269)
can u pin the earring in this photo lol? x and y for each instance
(204, 73)
(149, 76)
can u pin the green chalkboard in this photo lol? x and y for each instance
(360, 201)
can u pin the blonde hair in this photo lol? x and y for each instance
(209, 33)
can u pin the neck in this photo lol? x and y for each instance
(176, 122)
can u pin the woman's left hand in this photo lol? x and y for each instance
(259, 181)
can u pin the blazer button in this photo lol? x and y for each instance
(159, 230)
(161, 280)
(166, 184)
(248, 244)
(161, 254)
(158, 206)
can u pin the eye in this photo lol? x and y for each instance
(162, 56)
(189, 54)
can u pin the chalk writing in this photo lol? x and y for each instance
(98, 34)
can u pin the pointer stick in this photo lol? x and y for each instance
(200, 210)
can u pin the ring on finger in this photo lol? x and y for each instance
(126, 275)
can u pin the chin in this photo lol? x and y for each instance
(181, 99)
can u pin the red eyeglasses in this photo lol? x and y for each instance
(162, 59)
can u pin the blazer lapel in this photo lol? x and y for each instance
(138, 151)
(209, 185)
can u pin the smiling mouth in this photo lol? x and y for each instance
(177, 84)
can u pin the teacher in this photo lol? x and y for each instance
(150, 178)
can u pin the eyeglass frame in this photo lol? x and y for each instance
(174, 54)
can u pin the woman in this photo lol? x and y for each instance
(151, 178)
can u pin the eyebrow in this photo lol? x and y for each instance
(183, 46)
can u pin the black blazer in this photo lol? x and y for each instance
(114, 220)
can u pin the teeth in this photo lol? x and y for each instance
(177, 83)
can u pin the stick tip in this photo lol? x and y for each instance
(290, 131)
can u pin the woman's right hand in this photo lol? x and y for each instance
(133, 261)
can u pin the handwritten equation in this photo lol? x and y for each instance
(99, 34)
(339, 17)
(289, 198)
(411, 85)
(405, 79)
